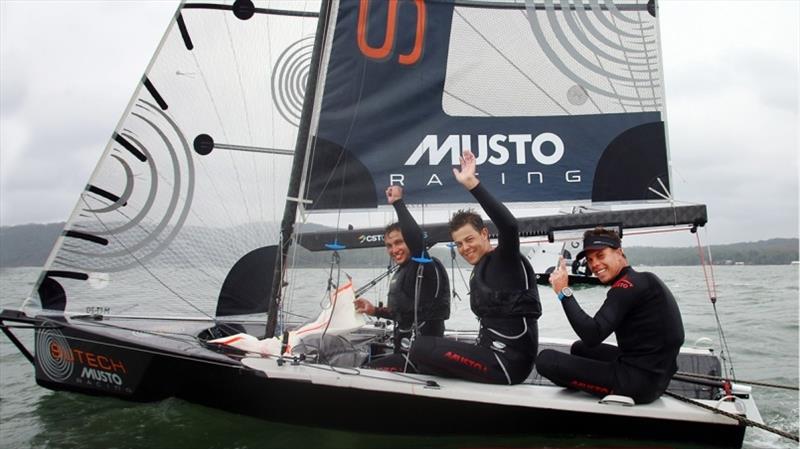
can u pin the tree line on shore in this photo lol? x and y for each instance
(29, 245)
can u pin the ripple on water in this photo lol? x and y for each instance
(762, 333)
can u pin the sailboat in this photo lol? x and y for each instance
(254, 120)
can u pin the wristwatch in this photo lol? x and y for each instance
(566, 291)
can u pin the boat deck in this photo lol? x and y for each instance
(169, 358)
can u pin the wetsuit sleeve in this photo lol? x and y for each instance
(412, 233)
(507, 227)
(593, 330)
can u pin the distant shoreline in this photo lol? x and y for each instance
(29, 245)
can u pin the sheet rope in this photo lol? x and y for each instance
(741, 419)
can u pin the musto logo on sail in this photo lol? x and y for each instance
(58, 361)
(496, 149)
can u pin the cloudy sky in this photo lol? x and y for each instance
(68, 69)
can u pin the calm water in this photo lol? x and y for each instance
(758, 307)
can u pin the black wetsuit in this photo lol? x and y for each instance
(643, 314)
(434, 297)
(504, 296)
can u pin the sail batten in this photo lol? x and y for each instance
(268, 11)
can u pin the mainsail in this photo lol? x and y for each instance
(565, 108)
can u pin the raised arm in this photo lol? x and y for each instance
(507, 227)
(412, 233)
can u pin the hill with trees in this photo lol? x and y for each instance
(29, 245)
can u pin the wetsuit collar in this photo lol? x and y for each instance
(625, 270)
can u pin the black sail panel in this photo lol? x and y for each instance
(552, 110)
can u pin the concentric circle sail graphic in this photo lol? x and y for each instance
(605, 50)
(139, 197)
(54, 354)
(289, 77)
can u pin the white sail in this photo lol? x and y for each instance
(196, 173)
(337, 318)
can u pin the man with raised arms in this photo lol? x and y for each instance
(503, 295)
(404, 242)
(639, 309)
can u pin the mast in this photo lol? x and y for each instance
(301, 144)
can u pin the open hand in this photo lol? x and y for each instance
(364, 306)
(467, 175)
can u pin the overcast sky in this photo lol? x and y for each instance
(68, 69)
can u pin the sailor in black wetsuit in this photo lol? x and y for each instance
(404, 241)
(503, 294)
(638, 308)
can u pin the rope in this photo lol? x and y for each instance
(712, 290)
(712, 295)
(454, 265)
(335, 260)
(357, 372)
(721, 379)
(390, 269)
(741, 419)
(415, 327)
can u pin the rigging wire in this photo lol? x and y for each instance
(748, 382)
(175, 336)
(405, 378)
(415, 327)
(344, 145)
(238, 72)
(454, 294)
(712, 296)
(519, 69)
(454, 263)
(334, 299)
(390, 269)
(200, 163)
(153, 275)
(740, 419)
(169, 249)
(424, 258)
(289, 293)
(157, 279)
(312, 145)
(341, 157)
